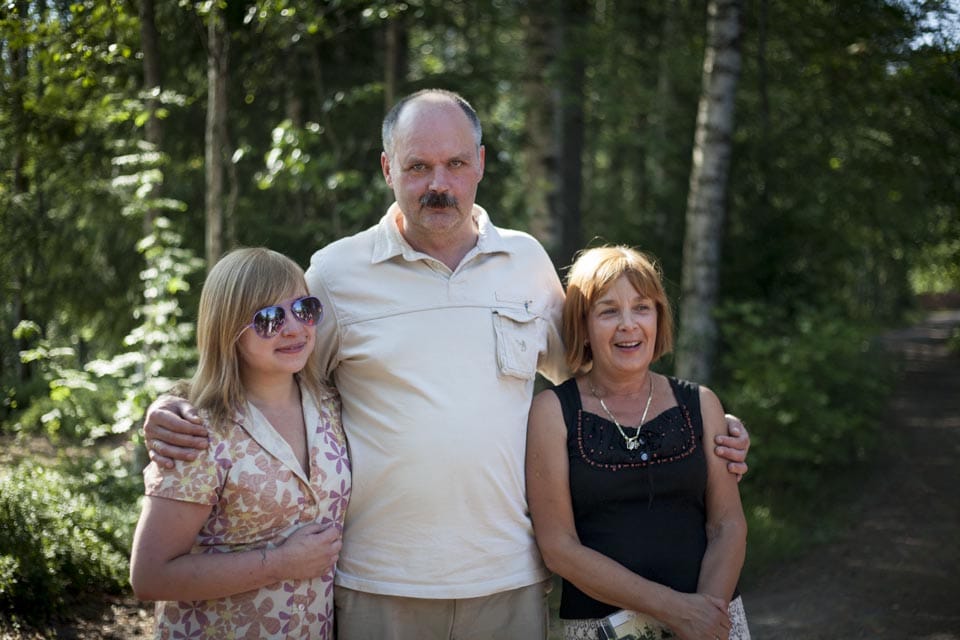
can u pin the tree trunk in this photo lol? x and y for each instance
(217, 52)
(763, 90)
(396, 42)
(19, 59)
(568, 120)
(538, 150)
(706, 200)
(152, 83)
(665, 223)
(395, 61)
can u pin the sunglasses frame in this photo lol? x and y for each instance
(281, 319)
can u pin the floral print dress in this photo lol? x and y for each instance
(259, 495)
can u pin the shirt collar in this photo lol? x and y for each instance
(389, 242)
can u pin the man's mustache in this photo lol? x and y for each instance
(436, 200)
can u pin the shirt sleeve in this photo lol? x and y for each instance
(328, 329)
(553, 363)
(198, 481)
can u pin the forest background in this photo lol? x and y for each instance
(140, 140)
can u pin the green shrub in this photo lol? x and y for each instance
(810, 389)
(59, 540)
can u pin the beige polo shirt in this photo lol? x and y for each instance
(436, 371)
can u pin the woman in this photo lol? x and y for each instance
(243, 540)
(630, 505)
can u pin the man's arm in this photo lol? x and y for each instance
(734, 447)
(173, 430)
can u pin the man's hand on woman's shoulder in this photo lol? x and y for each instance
(173, 430)
(734, 446)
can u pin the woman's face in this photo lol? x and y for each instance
(622, 329)
(285, 353)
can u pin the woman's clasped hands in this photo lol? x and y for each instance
(699, 616)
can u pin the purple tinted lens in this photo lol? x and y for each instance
(307, 310)
(267, 321)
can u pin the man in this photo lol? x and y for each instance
(436, 325)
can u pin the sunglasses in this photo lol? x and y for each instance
(268, 321)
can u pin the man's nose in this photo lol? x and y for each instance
(440, 179)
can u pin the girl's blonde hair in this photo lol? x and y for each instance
(590, 276)
(241, 283)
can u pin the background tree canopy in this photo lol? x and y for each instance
(841, 201)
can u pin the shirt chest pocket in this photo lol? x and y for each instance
(518, 338)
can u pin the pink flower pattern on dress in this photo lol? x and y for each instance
(258, 496)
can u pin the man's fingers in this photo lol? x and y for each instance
(734, 424)
(731, 454)
(162, 461)
(189, 412)
(330, 534)
(174, 430)
(165, 437)
(738, 468)
(163, 452)
(312, 528)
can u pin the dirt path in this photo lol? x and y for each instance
(895, 574)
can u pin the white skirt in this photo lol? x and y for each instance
(589, 629)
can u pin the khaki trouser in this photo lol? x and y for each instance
(519, 613)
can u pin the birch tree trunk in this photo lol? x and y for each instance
(706, 201)
(217, 52)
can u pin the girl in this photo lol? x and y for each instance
(242, 541)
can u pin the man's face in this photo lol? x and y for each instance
(434, 171)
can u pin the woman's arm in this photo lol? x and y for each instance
(726, 524)
(600, 577)
(162, 567)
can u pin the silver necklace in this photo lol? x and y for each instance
(633, 442)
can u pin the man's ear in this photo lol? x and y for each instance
(385, 168)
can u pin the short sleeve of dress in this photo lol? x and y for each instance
(199, 481)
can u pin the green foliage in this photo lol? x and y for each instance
(87, 401)
(841, 183)
(75, 407)
(109, 396)
(811, 389)
(953, 343)
(61, 539)
(938, 268)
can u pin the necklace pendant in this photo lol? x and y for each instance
(632, 444)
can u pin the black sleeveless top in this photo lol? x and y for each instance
(644, 508)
